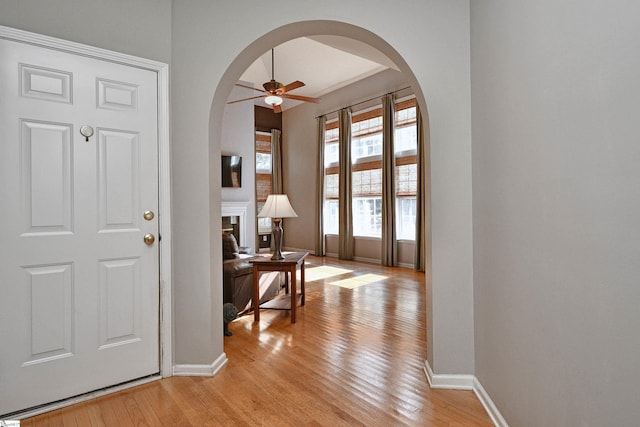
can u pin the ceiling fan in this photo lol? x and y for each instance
(274, 92)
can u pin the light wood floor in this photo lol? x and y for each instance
(355, 357)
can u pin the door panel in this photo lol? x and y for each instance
(119, 300)
(45, 84)
(79, 287)
(119, 177)
(46, 175)
(49, 323)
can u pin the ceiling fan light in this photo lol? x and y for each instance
(273, 100)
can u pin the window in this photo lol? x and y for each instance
(331, 217)
(366, 172)
(263, 163)
(367, 216)
(263, 177)
(405, 218)
(406, 145)
(331, 153)
(331, 162)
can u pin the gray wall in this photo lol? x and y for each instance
(556, 205)
(238, 139)
(141, 28)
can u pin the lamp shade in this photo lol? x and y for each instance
(273, 100)
(277, 206)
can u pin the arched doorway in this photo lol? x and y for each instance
(301, 29)
(210, 51)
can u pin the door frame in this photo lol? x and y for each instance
(164, 181)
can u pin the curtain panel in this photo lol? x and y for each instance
(276, 167)
(276, 159)
(389, 253)
(419, 257)
(320, 249)
(346, 244)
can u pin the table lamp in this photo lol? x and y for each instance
(277, 207)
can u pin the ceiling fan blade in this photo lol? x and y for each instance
(301, 98)
(277, 109)
(249, 87)
(246, 99)
(292, 86)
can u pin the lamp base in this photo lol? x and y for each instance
(277, 239)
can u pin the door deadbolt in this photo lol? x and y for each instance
(148, 215)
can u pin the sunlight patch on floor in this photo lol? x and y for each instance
(322, 272)
(357, 281)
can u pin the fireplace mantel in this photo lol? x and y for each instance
(238, 209)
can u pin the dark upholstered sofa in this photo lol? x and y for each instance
(238, 277)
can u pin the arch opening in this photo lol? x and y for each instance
(303, 29)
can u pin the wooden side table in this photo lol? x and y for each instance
(287, 265)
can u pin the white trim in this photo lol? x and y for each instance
(466, 382)
(367, 260)
(164, 222)
(361, 259)
(453, 382)
(164, 167)
(201, 370)
(488, 404)
(238, 209)
(290, 249)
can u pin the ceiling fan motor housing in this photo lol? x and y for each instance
(272, 86)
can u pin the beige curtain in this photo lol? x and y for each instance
(276, 168)
(419, 261)
(320, 244)
(345, 227)
(389, 243)
(276, 162)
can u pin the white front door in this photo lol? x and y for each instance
(79, 286)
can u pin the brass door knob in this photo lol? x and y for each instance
(148, 215)
(149, 239)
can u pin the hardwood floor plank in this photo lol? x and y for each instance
(116, 410)
(355, 357)
(94, 415)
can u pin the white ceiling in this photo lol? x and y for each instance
(323, 63)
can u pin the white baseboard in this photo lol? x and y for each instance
(453, 382)
(359, 259)
(466, 382)
(292, 249)
(187, 370)
(488, 404)
(370, 260)
(367, 260)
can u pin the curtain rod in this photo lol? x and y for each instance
(362, 102)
